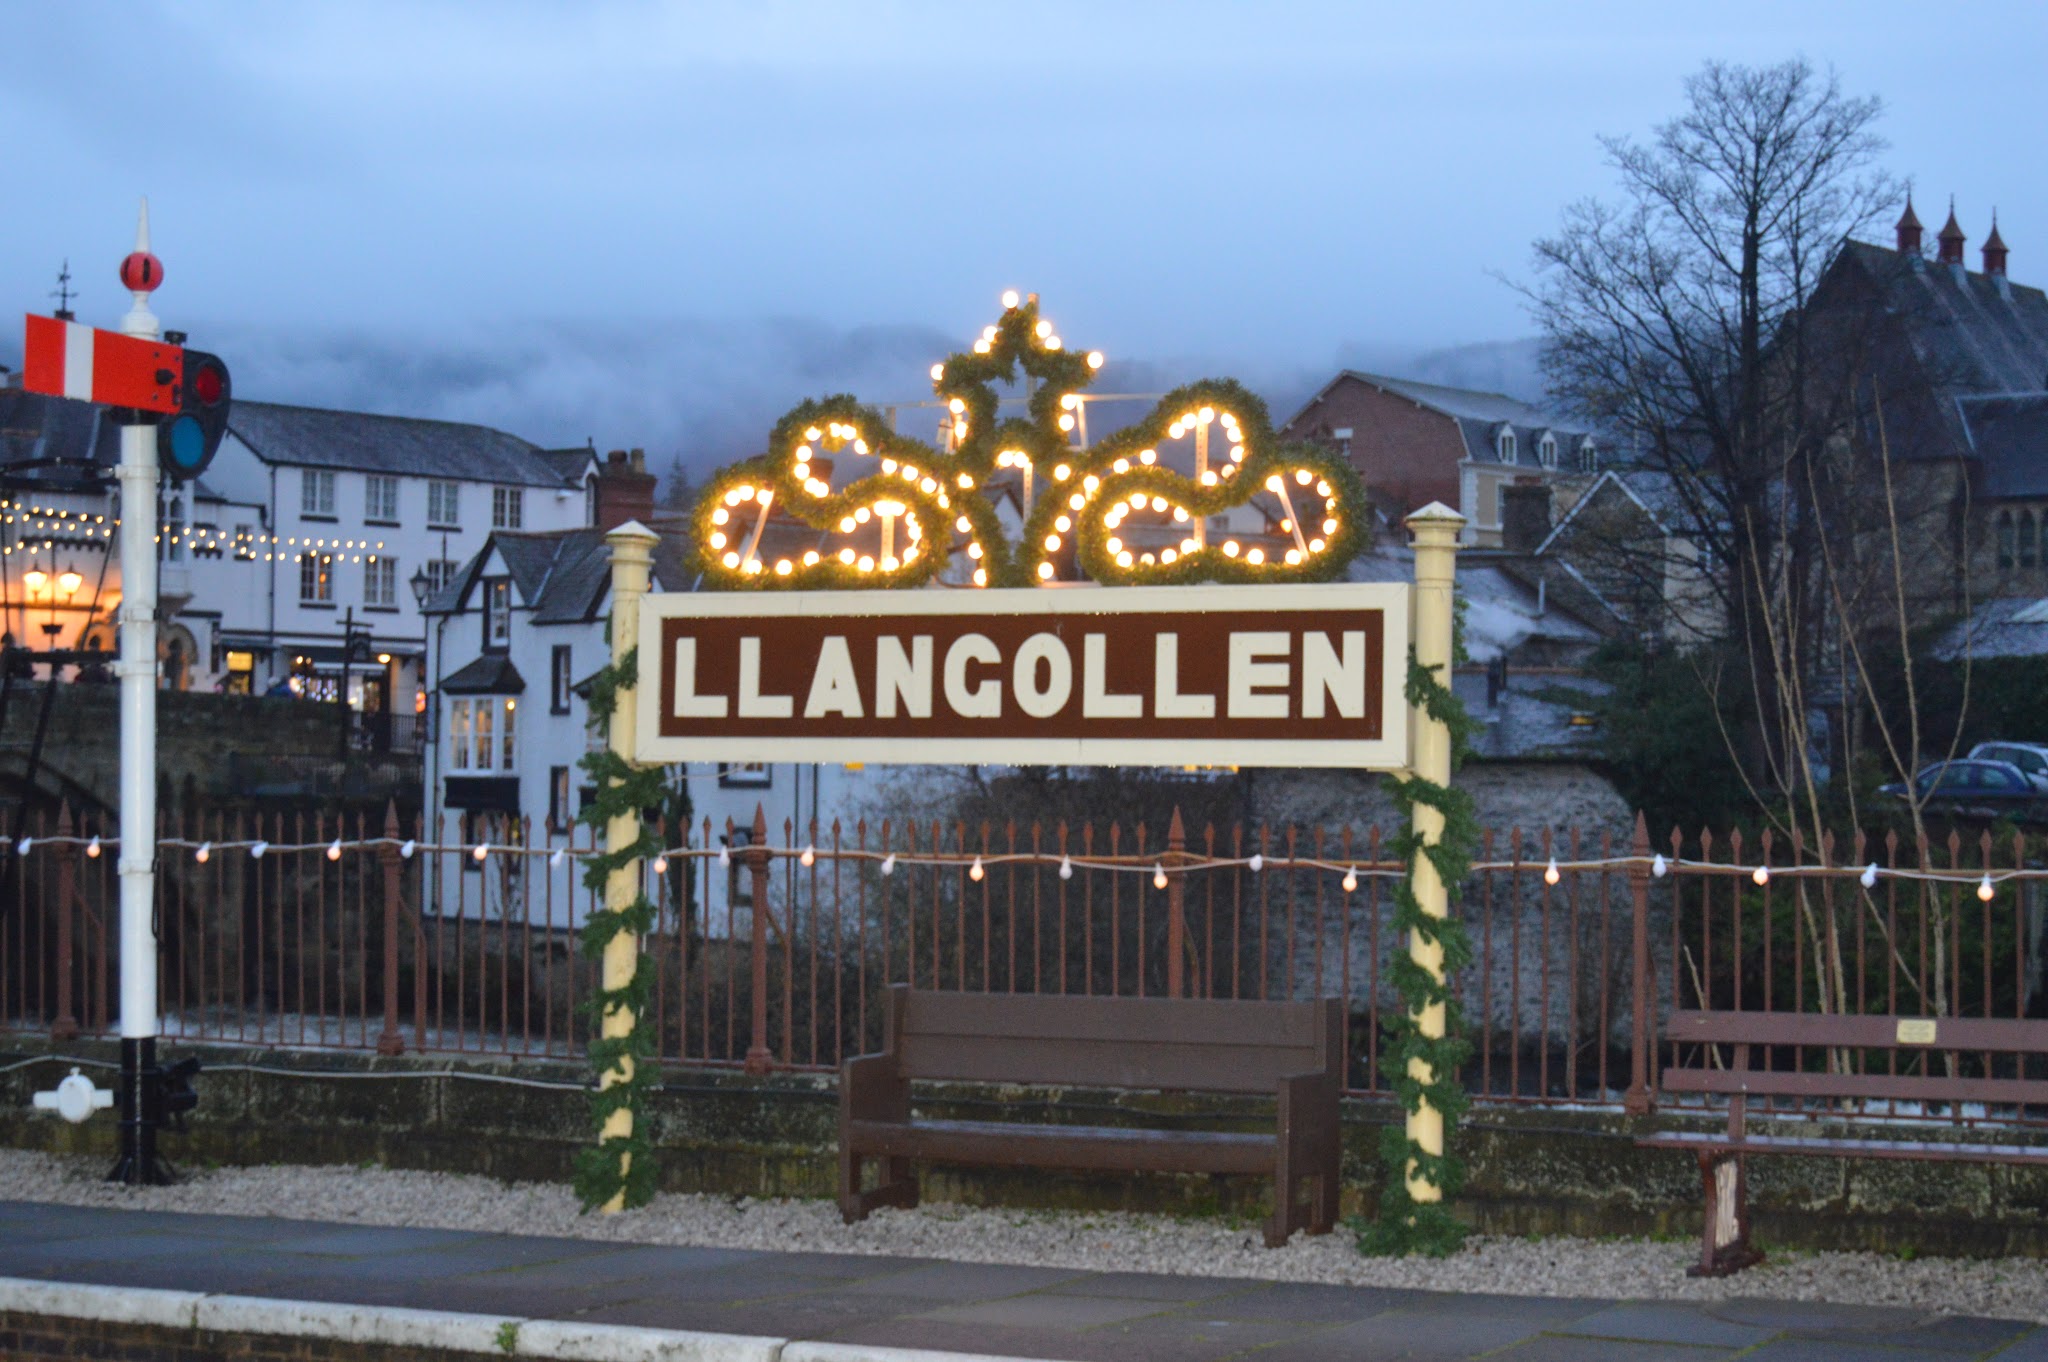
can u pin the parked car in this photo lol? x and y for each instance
(2031, 758)
(1986, 789)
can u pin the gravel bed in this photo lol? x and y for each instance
(2006, 1288)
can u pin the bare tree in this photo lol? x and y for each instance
(1678, 319)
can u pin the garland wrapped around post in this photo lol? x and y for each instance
(618, 1172)
(1438, 838)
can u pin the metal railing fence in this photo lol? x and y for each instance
(774, 947)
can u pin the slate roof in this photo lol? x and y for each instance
(1978, 333)
(363, 442)
(2009, 432)
(33, 426)
(561, 576)
(1500, 599)
(1479, 416)
(491, 674)
(2014, 626)
(1967, 335)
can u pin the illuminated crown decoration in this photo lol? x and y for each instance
(1114, 512)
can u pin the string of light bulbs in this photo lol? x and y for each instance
(978, 865)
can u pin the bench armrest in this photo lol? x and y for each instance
(870, 1090)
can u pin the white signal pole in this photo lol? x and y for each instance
(137, 669)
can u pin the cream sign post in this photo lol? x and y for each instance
(1304, 675)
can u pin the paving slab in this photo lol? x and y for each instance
(1667, 1322)
(1050, 1314)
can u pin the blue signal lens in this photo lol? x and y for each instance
(188, 442)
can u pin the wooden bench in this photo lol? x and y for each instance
(1293, 1051)
(1724, 1237)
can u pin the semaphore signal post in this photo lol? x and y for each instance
(171, 404)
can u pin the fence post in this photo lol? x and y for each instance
(1636, 1102)
(1435, 529)
(1176, 920)
(390, 1042)
(65, 1026)
(759, 1060)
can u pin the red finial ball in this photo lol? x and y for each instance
(141, 272)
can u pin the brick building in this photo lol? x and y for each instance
(1415, 443)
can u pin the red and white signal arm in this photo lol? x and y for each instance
(67, 359)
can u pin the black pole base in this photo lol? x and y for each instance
(141, 1114)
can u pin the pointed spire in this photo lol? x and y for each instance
(1950, 238)
(1994, 248)
(1908, 229)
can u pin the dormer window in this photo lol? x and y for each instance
(497, 612)
(1589, 456)
(1504, 445)
(1546, 450)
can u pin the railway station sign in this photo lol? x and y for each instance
(1233, 675)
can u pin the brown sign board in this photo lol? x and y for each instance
(1107, 676)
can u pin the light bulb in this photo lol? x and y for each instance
(334, 850)
(661, 865)
(1984, 889)
(1095, 359)
(205, 854)
(1762, 874)
(23, 847)
(1658, 866)
(560, 855)
(481, 852)
(1066, 867)
(809, 857)
(1158, 876)
(889, 864)
(256, 852)
(1009, 297)
(92, 848)
(1350, 880)
(1868, 879)
(1550, 872)
(1256, 863)
(974, 872)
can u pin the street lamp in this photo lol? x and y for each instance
(421, 585)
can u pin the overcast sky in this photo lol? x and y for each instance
(662, 224)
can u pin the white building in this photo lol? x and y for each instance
(511, 642)
(366, 516)
(312, 530)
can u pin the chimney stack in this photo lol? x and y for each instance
(625, 489)
(1994, 249)
(1949, 242)
(1909, 229)
(1524, 516)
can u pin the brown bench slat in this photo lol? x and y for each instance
(1102, 1062)
(1142, 1021)
(1828, 1029)
(1906, 1087)
(1108, 1042)
(1103, 1147)
(1867, 1149)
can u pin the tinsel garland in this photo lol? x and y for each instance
(1405, 1225)
(945, 494)
(618, 1167)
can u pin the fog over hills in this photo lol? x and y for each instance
(707, 391)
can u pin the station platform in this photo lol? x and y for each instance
(192, 1285)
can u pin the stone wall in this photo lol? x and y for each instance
(1533, 1170)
